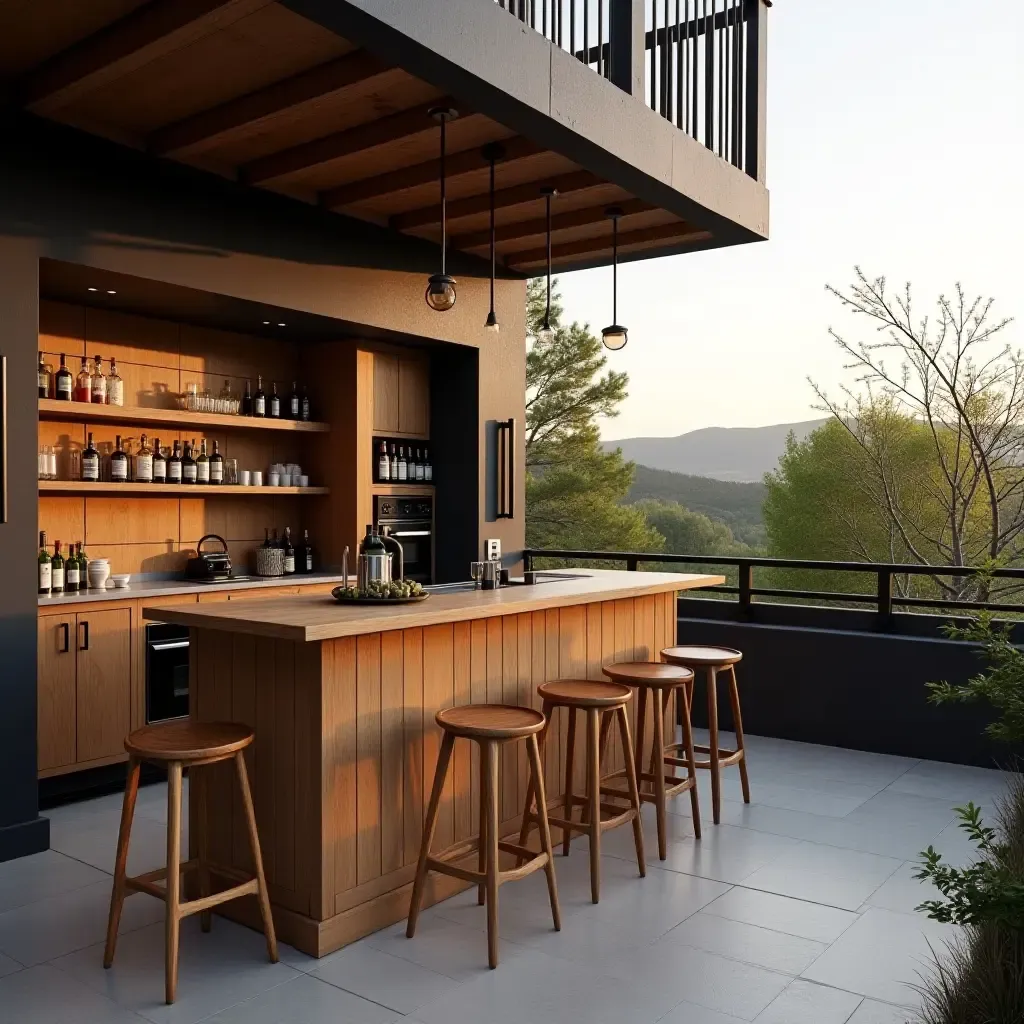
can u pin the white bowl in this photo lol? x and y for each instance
(121, 579)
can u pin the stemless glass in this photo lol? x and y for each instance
(476, 570)
(231, 471)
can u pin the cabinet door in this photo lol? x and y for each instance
(104, 682)
(56, 691)
(414, 397)
(385, 394)
(262, 593)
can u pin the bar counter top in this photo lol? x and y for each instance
(319, 617)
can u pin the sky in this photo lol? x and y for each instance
(895, 142)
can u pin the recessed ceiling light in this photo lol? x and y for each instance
(94, 289)
(266, 322)
(281, 325)
(110, 291)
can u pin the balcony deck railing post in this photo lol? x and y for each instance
(885, 598)
(757, 87)
(632, 563)
(626, 45)
(746, 573)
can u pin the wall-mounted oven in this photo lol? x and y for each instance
(411, 522)
(167, 649)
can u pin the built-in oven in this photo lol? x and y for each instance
(411, 522)
(166, 671)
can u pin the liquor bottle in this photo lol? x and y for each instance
(115, 386)
(216, 465)
(428, 469)
(304, 408)
(419, 466)
(403, 466)
(384, 463)
(57, 570)
(98, 382)
(83, 567)
(144, 463)
(306, 555)
(44, 378)
(90, 462)
(174, 465)
(63, 382)
(188, 464)
(274, 542)
(295, 403)
(247, 399)
(83, 383)
(118, 462)
(394, 463)
(266, 537)
(202, 464)
(72, 573)
(289, 551)
(274, 412)
(259, 400)
(159, 463)
(45, 566)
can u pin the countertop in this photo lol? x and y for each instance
(171, 588)
(319, 617)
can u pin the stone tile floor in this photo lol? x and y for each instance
(797, 908)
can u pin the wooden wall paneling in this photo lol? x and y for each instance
(130, 521)
(524, 663)
(594, 663)
(368, 764)
(414, 396)
(56, 694)
(554, 765)
(104, 683)
(219, 353)
(623, 648)
(339, 704)
(61, 329)
(438, 693)
(509, 695)
(130, 338)
(463, 755)
(65, 438)
(538, 674)
(63, 519)
(284, 763)
(309, 817)
(607, 658)
(478, 695)
(243, 709)
(414, 726)
(392, 727)
(385, 393)
(218, 705)
(266, 752)
(572, 664)
(645, 645)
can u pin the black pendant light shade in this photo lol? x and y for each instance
(547, 332)
(440, 294)
(615, 336)
(492, 153)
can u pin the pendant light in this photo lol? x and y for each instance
(547, 332)
(615, 336)
(440, 294)
(492, 152)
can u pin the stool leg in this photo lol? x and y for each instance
(529, 815)
(257, 858)
(641, 717)
(172, 916)
(481, 856)
(131, 791)
(493, 757)
(537, 774)
(737, 719)
(570, 750)
(716, 771)
(684, 702)
(594, 797)
(197, 792)
(443, 757)
(634, 792)
(659, 770)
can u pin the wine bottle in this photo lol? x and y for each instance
(45, 566)
(394, 463)
(266, 537)
(72, 573)
(174, 465)
(115, 386)
(247, 399)
(216, 465)
(259, 400)
(118, 462)
(44, 378)
(202, 464)
(295, 403)
(419, 466)
(83, 384)
(57, 570)
(306, 555)
(384, 464)
(403, 466)
(90, 462)
(274, 542)
(98, 382)
(144, 463)
(83, 567)
(188, 464)
(275, 403)
(289, 551)
(428, 469)
(159, 463)
(304, 409)
(63, 384)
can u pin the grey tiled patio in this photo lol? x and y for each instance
(797, 908)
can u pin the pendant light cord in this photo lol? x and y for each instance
(615, 270)
(492, 235)
(444, 122)
(547, 311)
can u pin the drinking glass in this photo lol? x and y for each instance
(231, 471)
(476, 570)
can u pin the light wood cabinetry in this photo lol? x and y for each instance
(401, 395)
(56, 724)
(385, 393)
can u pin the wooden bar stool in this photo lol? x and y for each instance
(178, 745)
(600, 702)
(488, 725)
(714, 660)
(660, 682)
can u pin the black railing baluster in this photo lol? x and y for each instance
(586, 32)
(709, 76)
(632, 563)
(884, 597)
(600, 37)
(746, 574)
(679, 69)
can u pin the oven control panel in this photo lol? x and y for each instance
(391, 510)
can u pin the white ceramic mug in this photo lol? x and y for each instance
(303, 481)
(286, 480)
(274, 479)
(244, 477)
(257, 478)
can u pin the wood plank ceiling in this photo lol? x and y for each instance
(252, 91)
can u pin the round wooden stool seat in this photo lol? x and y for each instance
(584, 693)
(490, 721)
(186, 740)
(649, 673)
(701, 657)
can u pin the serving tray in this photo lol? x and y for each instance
(377, 600)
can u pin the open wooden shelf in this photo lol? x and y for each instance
(108, 489)
(85, 412)
(406, 490)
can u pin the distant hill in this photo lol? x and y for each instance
(741, 454)
(738, 505)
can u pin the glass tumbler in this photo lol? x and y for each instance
(231, 471)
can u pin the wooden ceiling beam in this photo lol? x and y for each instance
(207, 125)
(141, 36)
(538, 225)
(679, 231)
(463, 162)
(514, 195)
(400, 125)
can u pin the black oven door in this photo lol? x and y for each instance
(167, 651)
(417, 550)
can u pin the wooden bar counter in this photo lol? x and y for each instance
(343, 701)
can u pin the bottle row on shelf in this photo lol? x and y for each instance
(281, 557)
(91, 385)
(395, 466)
(59, 574)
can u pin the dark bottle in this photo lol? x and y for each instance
(403, 466)
(247, 399)
(45, 566)
(174, 465)
(419, 466)
(305, 560)
(188, 465)
(274, 542)
(57, 570)
(90, 462)
(159, 463)
(394, 463)
(289, 551)
(203, 464)
(44, 378)
(259, 400)
(266, 537)
(63, 381)
(216, 465)
(295, 403)
(428, 469)
(274, 412)
(118, 462)
(72, 573)
(383, 464)
(304, 411)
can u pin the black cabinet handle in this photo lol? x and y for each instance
(84, 626)
(506, 470)
(67, 638)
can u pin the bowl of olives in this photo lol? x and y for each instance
(378, 592)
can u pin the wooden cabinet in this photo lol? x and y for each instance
(401, 395)
(56, 723)
(385, 394)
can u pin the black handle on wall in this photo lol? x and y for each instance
(3, 439)
(506, 503)
(85, 643)
(67, 638)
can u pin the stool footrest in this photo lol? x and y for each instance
(249, 888)
(147, 882)
(536, 861)
(618, 816)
